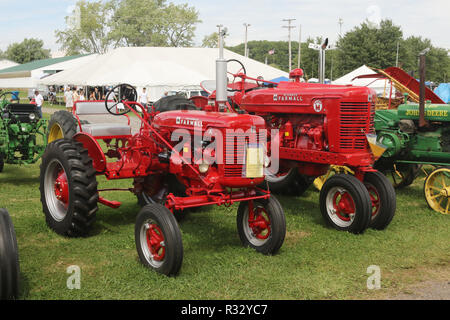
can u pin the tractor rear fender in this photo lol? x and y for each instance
(94, 150)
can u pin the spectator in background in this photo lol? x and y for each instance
(75, 95)
(81, 97)
(144, 98)
(68, 99)
(96, 94)
(39, 102)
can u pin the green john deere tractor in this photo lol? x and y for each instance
(23, 134)
(409, 146)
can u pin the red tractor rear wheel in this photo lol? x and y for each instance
(288, 182)
(158, 239)
(68, 188)
(345, 203)
(261, 225)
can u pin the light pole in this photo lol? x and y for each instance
(289, 27)
(340, 23)
(246, 25)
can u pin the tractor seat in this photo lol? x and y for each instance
(107, 129)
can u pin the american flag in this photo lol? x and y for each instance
(271, 52)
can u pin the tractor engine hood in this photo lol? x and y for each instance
(196, 120)
(293, 97)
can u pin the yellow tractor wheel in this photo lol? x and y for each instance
(437, 190)
(55, 133)
(62, 125)
(320, 181)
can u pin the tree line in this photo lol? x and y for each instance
(374, 46)
(97, 26)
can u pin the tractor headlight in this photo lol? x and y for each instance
(32, 116)
(203, 167)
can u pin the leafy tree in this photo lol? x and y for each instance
(96, 26)
(86, 31)
(366, 44)
(26, 51)
(153, 23)
(212, 41)
(437, 59)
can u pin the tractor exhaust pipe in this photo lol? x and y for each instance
(221, 75)
(422, 121)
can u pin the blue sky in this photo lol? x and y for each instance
(430, 19)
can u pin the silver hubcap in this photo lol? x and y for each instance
(331, 210)
(144, 245)
(57, 208)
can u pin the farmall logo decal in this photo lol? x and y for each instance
(288, 97)
(189, 122)
(318, 107)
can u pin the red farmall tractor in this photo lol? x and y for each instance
(174, 161)
(317, 126)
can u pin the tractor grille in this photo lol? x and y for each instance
(234, 155)
(21, 111)
(356, 120)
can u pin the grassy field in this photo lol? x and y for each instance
(315, 262)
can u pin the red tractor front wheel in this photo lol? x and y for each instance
(382, 197)
(158, 239)
(345, 203)
(261, 225)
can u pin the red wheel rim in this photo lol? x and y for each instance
(61, 187)
(343, 205)
(155, 242)
(259, 222)
(375, 199)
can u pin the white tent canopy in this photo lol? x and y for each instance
(160, 69)
(381, 86)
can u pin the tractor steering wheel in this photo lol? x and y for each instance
(119, 94)
(234, 74)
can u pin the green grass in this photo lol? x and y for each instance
(315, 262)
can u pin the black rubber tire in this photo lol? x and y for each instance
(386, 194)
(171, 103)
(292, 184)
(9, 259)
(82, 184)
(66, 121)
(2, 163)
(172, 238)
(361, 199)
(277, 225)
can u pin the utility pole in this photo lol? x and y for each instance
(299, 46)
(289, 27)
(246, 25)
